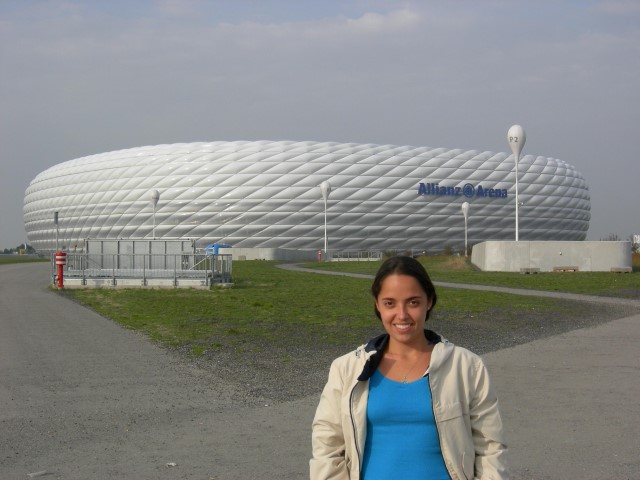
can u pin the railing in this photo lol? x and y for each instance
(195, 266)
(355, 255)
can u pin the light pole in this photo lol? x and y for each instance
(465, 212)
(155, 196)
(55, 220)
(516, 138)
(325, 188)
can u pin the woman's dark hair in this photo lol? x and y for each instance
(409, 266)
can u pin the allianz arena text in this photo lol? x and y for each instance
(266, 194)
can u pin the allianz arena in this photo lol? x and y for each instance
(253, 194)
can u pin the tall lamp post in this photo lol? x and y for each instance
(516, 138)
(325, 188)
(55, 221)
(465, 212)
(155, 196)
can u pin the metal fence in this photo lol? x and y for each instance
(355, 255)
(209, 269)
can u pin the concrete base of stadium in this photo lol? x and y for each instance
(542, 256)
(287, 255)
(72, 283)
(281, 254)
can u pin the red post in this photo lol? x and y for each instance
(61, 261)
(319, 255)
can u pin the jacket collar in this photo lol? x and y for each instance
(374, 349)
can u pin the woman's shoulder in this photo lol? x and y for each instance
(457, 353)
(363, 352)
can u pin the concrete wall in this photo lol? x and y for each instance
(511, 256)
(270, 254)
(79, 283)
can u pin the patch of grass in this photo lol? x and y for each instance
(265, 304)
(268, 306)
(198, 350)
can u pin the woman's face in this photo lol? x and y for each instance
(403, 307)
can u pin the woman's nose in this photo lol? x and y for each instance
(402, 311)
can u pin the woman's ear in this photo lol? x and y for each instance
(376, 310)
(429, 307)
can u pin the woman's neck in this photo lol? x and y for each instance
(399, 349)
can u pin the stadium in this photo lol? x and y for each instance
(266, 194)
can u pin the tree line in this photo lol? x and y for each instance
(20, 249)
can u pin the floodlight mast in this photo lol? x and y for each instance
(155, 196)
(516, 138)
(55, 221)
(325, 188)
(465, 212)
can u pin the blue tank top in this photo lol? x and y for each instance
(402, 439)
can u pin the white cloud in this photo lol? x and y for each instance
(396, 21)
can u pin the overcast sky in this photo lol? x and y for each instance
(85, 77)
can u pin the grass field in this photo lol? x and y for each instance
(267, 304)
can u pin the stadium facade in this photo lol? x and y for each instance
(266, 194)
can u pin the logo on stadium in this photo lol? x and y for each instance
(467, 190)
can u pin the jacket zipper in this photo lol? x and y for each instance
(435, 418)
(353, 424)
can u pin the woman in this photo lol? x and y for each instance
(408, 404)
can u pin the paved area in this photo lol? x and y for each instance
(83, 398)
(571, 404)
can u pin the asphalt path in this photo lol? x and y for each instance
(82, 398)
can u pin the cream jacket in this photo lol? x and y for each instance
(464, 407)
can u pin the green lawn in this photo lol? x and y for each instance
(270, 307)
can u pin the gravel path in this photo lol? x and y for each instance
(83, 398)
